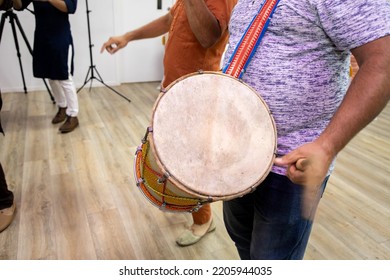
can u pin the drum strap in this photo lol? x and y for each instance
(250, 40)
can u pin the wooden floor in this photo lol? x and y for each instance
(77, 199)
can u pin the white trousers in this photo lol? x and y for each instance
(65, 95)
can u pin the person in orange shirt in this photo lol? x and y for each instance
(198, 34)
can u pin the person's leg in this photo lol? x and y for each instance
(203, 220)
(60, 100)
(279, 231)
(238, 217)
(203, 215)
(72, 111)
(70, 94)
(58, 93)
(203, 224)
(7, 206)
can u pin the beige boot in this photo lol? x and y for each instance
(188, 237)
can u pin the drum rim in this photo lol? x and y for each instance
(177, 181)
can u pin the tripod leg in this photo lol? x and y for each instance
(11, 20)
(101, 80)
(92, 66)
(2, 25)
(23, 34)
(48, 90)
(86, 80)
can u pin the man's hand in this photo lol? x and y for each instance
(307, 166)
(114, 44)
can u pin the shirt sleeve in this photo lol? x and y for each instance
(172, 10)
(351, 23)
(71, 5)
(221, 10)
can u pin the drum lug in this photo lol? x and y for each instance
(139, 182)
(139, 149)
(163, 178)
(197, 207)
(148, 130)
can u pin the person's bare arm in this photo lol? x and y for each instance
(203, 23)
(366, 97)
(153, 29)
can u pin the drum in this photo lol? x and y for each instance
(211, 138)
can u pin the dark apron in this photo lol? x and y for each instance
(52, 40)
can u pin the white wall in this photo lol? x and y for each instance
(143, 59)
(140, 61)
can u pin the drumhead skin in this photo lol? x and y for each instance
(214, 135)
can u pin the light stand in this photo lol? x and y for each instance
(92, 68)
(12, 19)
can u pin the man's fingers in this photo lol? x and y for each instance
(285, 160)
(110, 47)
(302, 164)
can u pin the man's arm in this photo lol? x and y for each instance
(203, 23)
(366, 97)
(153, 29)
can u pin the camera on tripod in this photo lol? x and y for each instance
(6, 5)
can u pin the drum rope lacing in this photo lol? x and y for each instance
(142, 182)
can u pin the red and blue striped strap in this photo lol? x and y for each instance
(250, 40)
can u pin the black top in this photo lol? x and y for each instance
(52, 39)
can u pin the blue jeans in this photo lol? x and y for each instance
(267, 223)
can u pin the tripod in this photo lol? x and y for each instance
(12, 19)
(92, 68)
